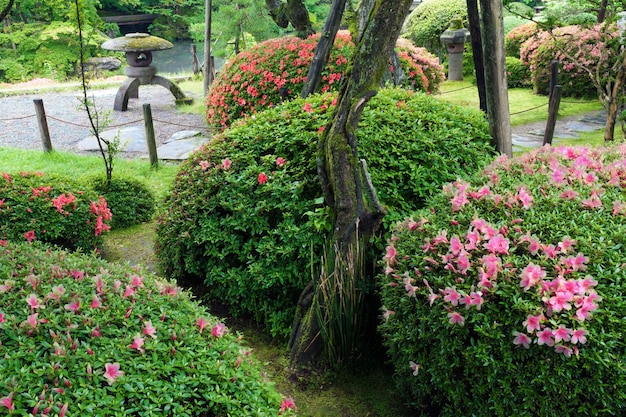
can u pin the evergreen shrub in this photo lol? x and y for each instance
(245, 217)
(83, 337)
(129, 200)
(592, 47)
(51, 209)
(275, 70)
(505, 296)
(518, 74)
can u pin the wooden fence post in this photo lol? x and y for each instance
(150, 138)
(43, 125)
(553, 110)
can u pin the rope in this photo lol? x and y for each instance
(458, 89)
(532, 108)
(109, 127)
(18, 118)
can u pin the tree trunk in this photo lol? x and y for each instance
(477, 51)
(612, 105)
(324, 47)
(4, 13)
(495, 75)
(294, 12)
(602, 11)
(344, 179)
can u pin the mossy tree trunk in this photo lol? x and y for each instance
(294, 12)
(344, 178)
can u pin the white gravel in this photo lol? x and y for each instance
(68, 122)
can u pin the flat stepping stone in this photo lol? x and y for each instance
(180, 149)
(131, 139)
(579, 126)
(527, 141)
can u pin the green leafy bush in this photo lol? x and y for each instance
(130, 201)
(275, 70)
(505, 296)
(517, 36)
(576, 48)
(84, 337)
(245, 217)
(430, 19)
(518, 74)
(51, 209)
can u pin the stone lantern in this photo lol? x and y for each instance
(138, 48)
(454, 38)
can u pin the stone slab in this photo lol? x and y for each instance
(180, 149)
(132, 139)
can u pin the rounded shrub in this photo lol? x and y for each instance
(592, 47)
(518, 74)
(430, 19)
(51, 209)
(517, 36)
(80, 336)
(505, 296)
(246, 218)
(275, 70)
(130, 201)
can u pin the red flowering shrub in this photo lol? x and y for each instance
(517, 36)
(507, 292)
(52, 210)
(593, 48)
(275, 70)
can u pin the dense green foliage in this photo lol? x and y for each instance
(246, 219)
(84, 337)
(517, 74)
(51, 209)
(430, 19)
(275, 70)
(505, 296)
(583, 52)
(130, 201)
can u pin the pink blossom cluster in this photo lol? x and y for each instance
(102, 213)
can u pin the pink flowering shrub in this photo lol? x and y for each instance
(507, 293)
(517, 36)
(275, 70)
(592, 47)
(54, 210)
(245, 215)
(82, 337)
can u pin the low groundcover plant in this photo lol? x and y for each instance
(81, 337)
(505, 297)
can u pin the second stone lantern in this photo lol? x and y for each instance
(138, 48)
(454, 38)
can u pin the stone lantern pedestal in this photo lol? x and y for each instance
(138, 48)
(454, 38)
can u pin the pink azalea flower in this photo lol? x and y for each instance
(387, 313)
(33, 302)
(149, 330)
(202, 323)
(456, 318)
(455, 245)
(32, 321)
(262, 179)
(29, 236)
(451, 296)
(545, 337)
(218, 330)
(524, 197)
(521, 339)
(63, 410)
(95, 302)
(280, 161)
(410, 289)
(138, 342)
(2, 319)
(531, 275)
(565, 350)
(579, 336)
(112, 372)
(532, 323)
(415, 367)
(74, 306)
(204, 165)
(7, 402)
(287, 404)
(562, 333)
(463, 263)
(226, 164)
(497, 245)
(390, 256)
(307, 108)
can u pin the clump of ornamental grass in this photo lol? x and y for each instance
(51, 209)
(82, 337)
(505, 296)
(245, 217)
(275, 71)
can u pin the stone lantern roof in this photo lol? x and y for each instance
(137, 42)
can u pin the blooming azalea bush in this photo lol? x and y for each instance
(592, 47)
(505, 297)
(129, 200)
(517, 36)
(80, 336)
(245, 216)
(34, 206)
(275, 70)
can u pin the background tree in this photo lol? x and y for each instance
(292, 12)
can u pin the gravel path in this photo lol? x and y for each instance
(68, 122)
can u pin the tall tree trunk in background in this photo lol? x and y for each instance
(612, 99)
(323, 48)
(473, 17)
(602, 11)
(495, 75)
(345, 182)
(294, 12)
(5, 12)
